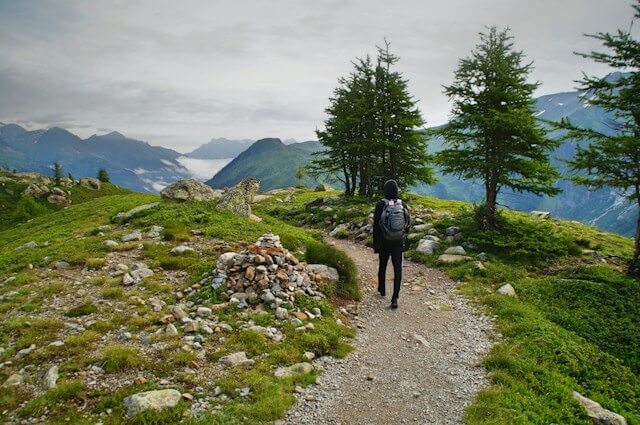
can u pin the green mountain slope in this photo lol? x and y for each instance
(271, 161)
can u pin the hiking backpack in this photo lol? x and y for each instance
(393, 220)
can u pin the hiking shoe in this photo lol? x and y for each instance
(382, 292)
(394, 303)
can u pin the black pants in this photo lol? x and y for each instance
(395, 252)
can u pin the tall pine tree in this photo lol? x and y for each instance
(613, 160)
(493, 136)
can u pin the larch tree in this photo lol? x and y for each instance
(493, 135)
(613, 160)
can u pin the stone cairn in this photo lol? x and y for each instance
(266, 274)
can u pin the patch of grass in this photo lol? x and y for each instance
(321, 253)
(95, 263)
(535, 369)
(604, 310)
(57, 402)
(113, 293)
(82, 310)
(117, 357)
(29, 330)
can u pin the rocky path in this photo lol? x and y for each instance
(416, 364)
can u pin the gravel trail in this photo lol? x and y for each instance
(417, 364)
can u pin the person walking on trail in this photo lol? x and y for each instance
(390, 223)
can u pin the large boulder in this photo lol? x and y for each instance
(545, 215)
(238, 199)
(428, 245)
(598, 414)
(58, 200)
(121, 217)
(151, 400)
(328, 274)
(189, 190)
(35, 191)
(90, 183)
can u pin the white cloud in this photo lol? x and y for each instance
(180, 73)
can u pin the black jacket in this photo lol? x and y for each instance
(378, 239)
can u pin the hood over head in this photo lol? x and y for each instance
(391, 189)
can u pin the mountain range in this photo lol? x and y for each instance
(139, 166)
(131, 163)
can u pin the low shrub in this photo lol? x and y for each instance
(322, 253)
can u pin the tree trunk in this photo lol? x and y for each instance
(393, 162)
(634, 267)
(491, 197)
(362, 187)
(347, 185)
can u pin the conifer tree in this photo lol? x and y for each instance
(57, 173)
(613, 160)
(493, 136)
(103, 176)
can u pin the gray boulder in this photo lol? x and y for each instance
(124, 216)
(507, 289)
(545, 215)
(35, 191)
(238, 199)
(58, 200)
(136, 235)
(598, 414)
(428, 244)
(286, 371)
(189, 190)
(151, 400)
(328, 274)
(90, 183)
(455, 250)
(236, 359)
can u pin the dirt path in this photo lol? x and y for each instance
(416, 364)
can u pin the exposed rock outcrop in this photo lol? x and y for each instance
(90, 183)
(238, 199)
(189, 190)
(598, 414)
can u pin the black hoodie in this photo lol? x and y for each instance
(390, 191)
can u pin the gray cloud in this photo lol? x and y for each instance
(180, 73)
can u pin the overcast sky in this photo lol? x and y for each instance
(178, 73)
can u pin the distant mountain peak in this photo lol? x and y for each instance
(115, 135)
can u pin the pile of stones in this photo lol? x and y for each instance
(268, 275)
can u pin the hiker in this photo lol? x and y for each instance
(390, 223)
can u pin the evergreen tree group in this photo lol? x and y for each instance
(372, 132)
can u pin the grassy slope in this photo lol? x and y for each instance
(16, 211)
(575, 325)
(72, 236)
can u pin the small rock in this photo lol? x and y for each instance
(236, 359)
(110, 243)
(151, 400)
(204, 311)
(14, 380)
(171, 330)
(31, 244)
(60, 265)
(455, 250)
(133, 236)
(282, 313)
(182, 250)
(286, 371)
(51, 377)
(507, 289)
